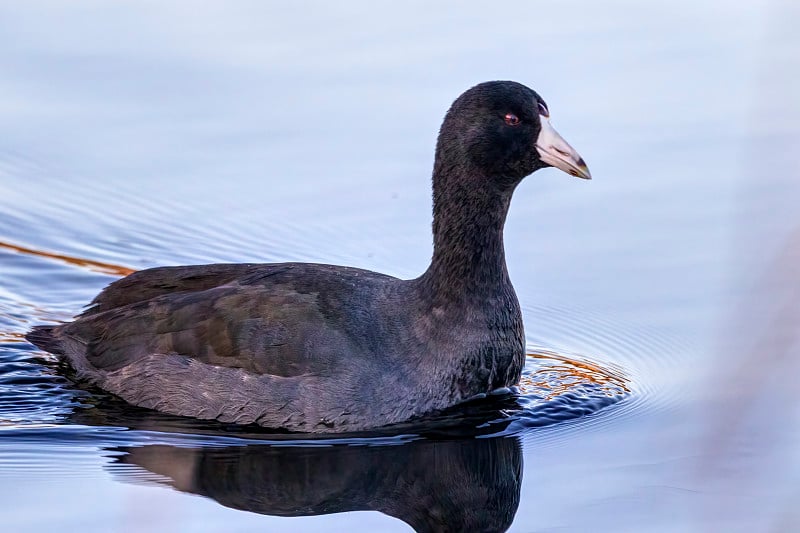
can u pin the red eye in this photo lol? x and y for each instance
(512, 119)
(543, 110)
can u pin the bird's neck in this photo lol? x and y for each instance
(469, 213)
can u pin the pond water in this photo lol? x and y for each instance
(661, 299)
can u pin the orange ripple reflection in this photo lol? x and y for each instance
(557, 374)
(8, 336)
(94, 266)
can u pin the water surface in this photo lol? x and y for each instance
(659, 299)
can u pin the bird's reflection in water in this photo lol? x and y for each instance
(458, 471)
(470, 484)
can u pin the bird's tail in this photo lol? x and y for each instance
(46, 338)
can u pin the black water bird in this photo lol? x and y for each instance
(320, 348)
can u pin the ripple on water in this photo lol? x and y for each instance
(557, 387)
(31, 390)
(629, 367)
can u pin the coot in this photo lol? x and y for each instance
(322, 348)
